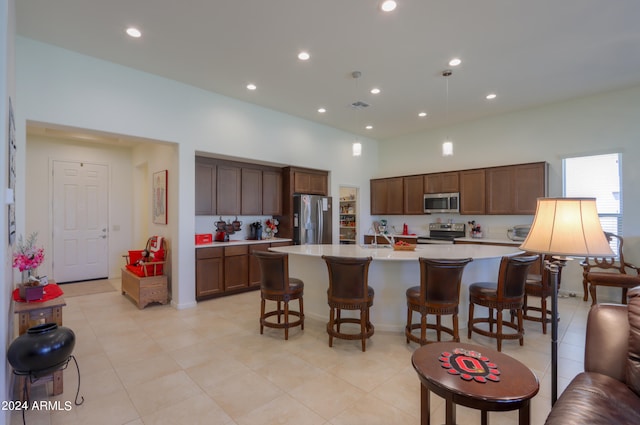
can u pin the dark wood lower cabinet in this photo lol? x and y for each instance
(229, 270)
(209, 272)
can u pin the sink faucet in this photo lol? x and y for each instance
(391, 241)
(375, 236)
(389, 238)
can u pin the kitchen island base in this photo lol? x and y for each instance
(391, 273)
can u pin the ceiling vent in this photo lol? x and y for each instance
(359, 104)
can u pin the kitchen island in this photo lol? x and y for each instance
(391, 273)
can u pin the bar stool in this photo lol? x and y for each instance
(438, 294)
(276, 285)
(539, 285)
(506, 294)
(349, 290)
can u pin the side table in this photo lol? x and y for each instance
(516, 387)
(36, 313)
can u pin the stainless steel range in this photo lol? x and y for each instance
(442, 233)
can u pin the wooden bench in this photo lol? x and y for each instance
(145, 290)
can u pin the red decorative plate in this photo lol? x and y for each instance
(470, 365)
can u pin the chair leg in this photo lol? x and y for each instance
(470, 321)
(331, 324)
(262, 308)
(624, 296)
(438, 326)
(301, 313)
(491, 320)
(456, 335)
(286, 320)
(543, 314)
(363, 328)
(584, 287)
(499, 329)
(409, 318)
(521, 326)
(592, 291)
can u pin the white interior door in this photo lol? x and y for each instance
(80, 221)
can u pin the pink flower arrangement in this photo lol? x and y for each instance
(28, 256)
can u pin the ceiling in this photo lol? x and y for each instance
(529, 53)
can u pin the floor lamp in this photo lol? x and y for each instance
(564, 227)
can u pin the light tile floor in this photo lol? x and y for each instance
(210, 365)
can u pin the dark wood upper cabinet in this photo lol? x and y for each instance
(413, 194)
(236, 188)
(205, 181)
(500, 195)
(271, 192)
(515, 189)
(314, 183)
(387, 196)
(442, 182)
(472, 191)
(251, 192)
(228, 190)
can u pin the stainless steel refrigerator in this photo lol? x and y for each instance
(311, 219)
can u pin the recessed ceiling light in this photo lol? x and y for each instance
(491, 96)
(455, 62)
(322, 110)
(303, 56)
(375, 90)
(251, 86)
(422, 114)
(369, 127)
(134, 32)
(388, 6)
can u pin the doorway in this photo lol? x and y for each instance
(349, 215)
(80, 221)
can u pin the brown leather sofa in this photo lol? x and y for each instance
(608, 391)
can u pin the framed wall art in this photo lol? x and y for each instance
(12, 175)
(160, 197)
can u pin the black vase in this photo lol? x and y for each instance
(42, 350)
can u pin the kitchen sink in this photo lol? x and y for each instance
(370, 246)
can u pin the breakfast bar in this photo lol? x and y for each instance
(391, 273)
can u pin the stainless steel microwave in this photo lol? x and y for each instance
(442, 203)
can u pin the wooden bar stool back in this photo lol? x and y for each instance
(506, 294)
(541, 286)
(438, 294)
(276, 285)
(349, 290)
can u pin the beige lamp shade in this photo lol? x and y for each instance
(567, 227)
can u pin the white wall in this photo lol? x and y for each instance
(64, 88)
(7, 90)
(590, 125)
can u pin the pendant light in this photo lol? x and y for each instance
(447, 145)
(356, 147)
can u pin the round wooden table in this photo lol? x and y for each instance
(516, 387)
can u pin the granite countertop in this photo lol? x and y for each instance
(490, 241)
(242, 242)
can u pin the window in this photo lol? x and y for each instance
(597, 176)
